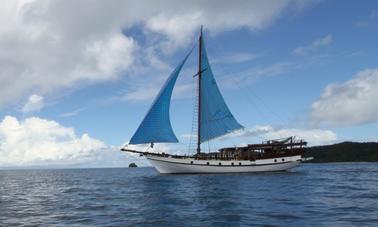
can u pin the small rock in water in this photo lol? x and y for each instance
(132, 165)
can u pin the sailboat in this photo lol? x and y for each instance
(214, 119)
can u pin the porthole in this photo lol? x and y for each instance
(207, 163)
(232, 163)
(275, 160)
(283, 159)
(220, 163)
(191, 162)
(239, 163)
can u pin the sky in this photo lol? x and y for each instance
(77, 77)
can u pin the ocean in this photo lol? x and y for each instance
(334, 194)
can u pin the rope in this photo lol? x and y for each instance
(195, 112)
(248, 99)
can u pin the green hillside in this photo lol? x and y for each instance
(344, 152)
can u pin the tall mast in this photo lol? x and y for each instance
(199, 94)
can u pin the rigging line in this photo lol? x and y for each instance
(191, 140)
(133, 158)
(257, 97)
(232, 137)
(250, 101)
(266, 106)
(272, 112)
(248, 98)
(148, 147)
(261, 137)
(191, 130)
(212, 143)
(181, 151)
(206, 133)
(195, 115)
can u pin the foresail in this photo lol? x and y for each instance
(216, 118)
(156, 125)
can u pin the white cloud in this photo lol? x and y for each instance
(249, 76)
(314, 46)
(51, 45)
(72, 113)
(235, 58)
(350, 103)
(369, 21)
(180, 19)
(150, 93)
(312, 136)
(142, 94)
(271, 70)
(34, 103)
(40, 142)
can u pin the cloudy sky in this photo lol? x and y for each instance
(77, 76)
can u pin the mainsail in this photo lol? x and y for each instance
(215, 117)
(156, 125)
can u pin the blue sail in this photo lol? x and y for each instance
(156, 125)
(216, 118)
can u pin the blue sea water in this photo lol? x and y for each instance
(310, 195)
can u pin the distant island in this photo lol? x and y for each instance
(132, 165)
(344, 152)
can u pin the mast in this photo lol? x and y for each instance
(199, 94)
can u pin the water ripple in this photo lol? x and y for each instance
(313, 194)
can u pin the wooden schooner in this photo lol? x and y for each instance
(214, 120)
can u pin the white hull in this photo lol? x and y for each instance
(190, 165)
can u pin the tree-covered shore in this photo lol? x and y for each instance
(344, 152)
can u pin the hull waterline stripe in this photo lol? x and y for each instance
(179, 163)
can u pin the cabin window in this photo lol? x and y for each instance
(220, 163)
(232, 163)
(283, 159)
(191, 162)
(275, 160)
(207, 163)
(239, 163)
